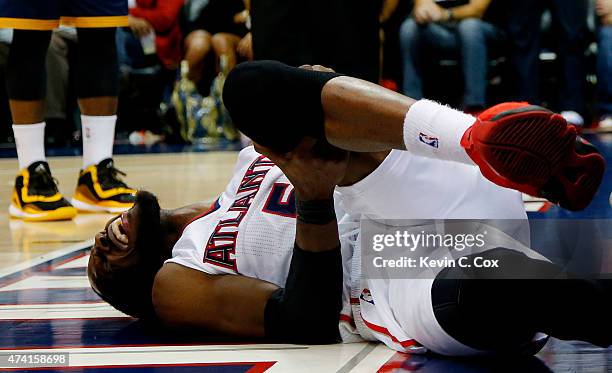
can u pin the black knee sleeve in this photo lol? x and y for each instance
(25, 68)
(97, 68)
(274, 104)
(484, 309)
(502, 312)
(308, 309)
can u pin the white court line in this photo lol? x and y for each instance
(44, 258)
(48, 282)
(288, 358)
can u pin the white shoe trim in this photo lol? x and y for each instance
(84, 206)
(16, 212)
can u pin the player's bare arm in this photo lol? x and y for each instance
(229, 305)
(277, 106)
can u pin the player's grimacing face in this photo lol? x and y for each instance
(114, 244)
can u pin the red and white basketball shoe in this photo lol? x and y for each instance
(533, 150)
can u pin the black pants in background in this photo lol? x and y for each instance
(341, 34)
(524, 33)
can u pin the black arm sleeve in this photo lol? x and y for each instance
(308, 309)
(276, 105)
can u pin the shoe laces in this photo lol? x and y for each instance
(109, 176)
(42, 182)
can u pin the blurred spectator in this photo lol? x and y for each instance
(467, 29)
(604, 63)
(220, 27)
(570, 16)
(154, 35)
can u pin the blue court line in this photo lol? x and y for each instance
(99, 332)
(234, 367)
(157, 369)
(48, 296)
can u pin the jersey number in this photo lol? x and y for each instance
(281, 201)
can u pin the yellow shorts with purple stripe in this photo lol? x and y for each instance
(49, 14)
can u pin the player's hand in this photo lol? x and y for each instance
(245, 47)
(140, 26)
(314, 167)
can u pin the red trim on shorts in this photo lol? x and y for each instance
(347, 319)
(385, 331)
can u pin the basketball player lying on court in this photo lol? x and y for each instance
(247, 267)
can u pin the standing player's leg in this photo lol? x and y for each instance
(35, 196)
(99, 187)
(515, 145)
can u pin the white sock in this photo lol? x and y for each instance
(98, 138)
(30, 141)
(435, 131)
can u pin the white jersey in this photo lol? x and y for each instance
(250, 231)
(399, 312)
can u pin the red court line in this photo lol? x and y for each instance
(259, 366)
(65, 261)
(546, 207)
(130, 345)
(395, 362)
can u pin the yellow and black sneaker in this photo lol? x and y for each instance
(36, 197)
(101, 190)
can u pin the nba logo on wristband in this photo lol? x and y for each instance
(429, 140)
